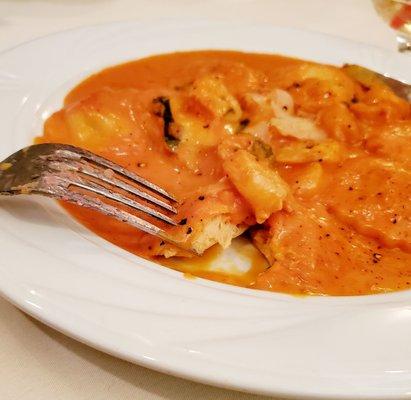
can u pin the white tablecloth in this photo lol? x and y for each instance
(37, 362)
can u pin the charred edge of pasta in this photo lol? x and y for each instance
(261, 150)
(168, 119)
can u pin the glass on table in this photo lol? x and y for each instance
(397, 13)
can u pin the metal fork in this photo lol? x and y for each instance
(78, 176)
(401, 89)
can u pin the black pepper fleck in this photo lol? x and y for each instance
(183, 221)
(244, 122)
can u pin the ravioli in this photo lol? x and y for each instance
(310, 162)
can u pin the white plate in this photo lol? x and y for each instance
(54, 269)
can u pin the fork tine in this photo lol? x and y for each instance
(91, 170)
(101, 190)
(107, 209)
(95, 173)
(102, 162)
(111, 211)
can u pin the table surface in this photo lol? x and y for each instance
(37, 362)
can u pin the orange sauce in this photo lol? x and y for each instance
(168, 70)
(360, 272)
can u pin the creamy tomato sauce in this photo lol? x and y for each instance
(331, 142)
